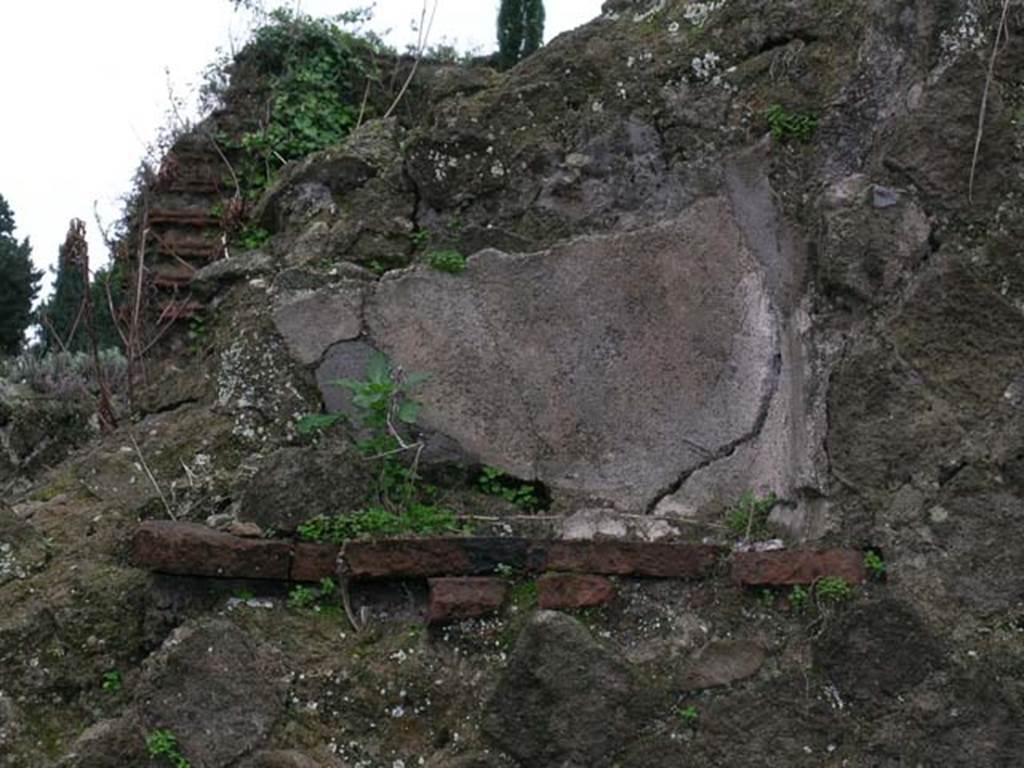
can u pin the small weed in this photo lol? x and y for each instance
(243, 595)
(875, 565)
(766, 597)
(798, 598)
(301, 597)
(327, 587)
(523, 596)
(495, 482)
(163, 743)
(749, 518)
(688, 715)
(252, 238)
(419, 238)
(505, 570)
(832, 590)
(112, 681)
(312, 423)
(378, 267)
(786, 125)
(377, 522)
(452, 262)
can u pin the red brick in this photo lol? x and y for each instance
(465, 598)
(446, 556)
(190, 549)
(786, 567)
(626, 558)
(573, 590)
(313, 562)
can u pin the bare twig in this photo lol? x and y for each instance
(363, 105)
(149, 474)
(1002, 32)
(76, 252)
(421, 47)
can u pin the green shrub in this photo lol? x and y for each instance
(447, 261)
(749, 517)
(163, 743)
(688, 715)
(832, 590)
(496, 482)
(112, 681)
(875, 565)
(376, 522)
(786, 125)
(799, 598)
(316, 72)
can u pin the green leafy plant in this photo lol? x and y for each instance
(688, 715)
(496, 482)
(748, 519)
(385, 412)
(523, 595)
(447, 261)
(315, 72)
(832, 590)
(243, 594)
(252, 238)
(301, 597)
(377, 522)
(799, 598)
(875, 565)
(163, 743)
(327, 586)
(419, 237)
(786, 125)
(112, 681)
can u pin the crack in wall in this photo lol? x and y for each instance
(727, 450)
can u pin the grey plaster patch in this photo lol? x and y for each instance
(609, 365)
(312, 321)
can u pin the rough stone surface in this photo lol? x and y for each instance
(878, 649)
(215, 689)
(312, 321)
(563, 699)
(721, 663)
(452, 599)
(559, 591)
(345, 360)
(293, 484)
(681, 364)
(22, 547)
(226, 271)
(189, 549)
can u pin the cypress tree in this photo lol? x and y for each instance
(19, 284)
(533, 20)
(520, 30)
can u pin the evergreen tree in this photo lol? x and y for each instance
(61, 315)
(520, 30)
(62, 322)
(19, 284)
(533, 22)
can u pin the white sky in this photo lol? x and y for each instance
(85, 89)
